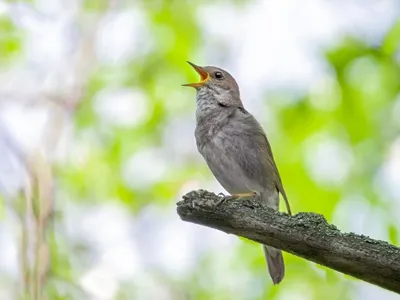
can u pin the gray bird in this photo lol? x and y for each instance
(236, 148)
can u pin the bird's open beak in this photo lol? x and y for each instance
(204, 76)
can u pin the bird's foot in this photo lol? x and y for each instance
(223, 199)
(234, 197)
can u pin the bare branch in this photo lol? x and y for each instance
(307, 235)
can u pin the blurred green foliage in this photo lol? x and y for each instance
(355, 109)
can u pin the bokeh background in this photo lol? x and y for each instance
(97, 145)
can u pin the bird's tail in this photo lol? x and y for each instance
(276, 266)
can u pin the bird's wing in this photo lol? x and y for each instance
(263, 147)
(277, 178)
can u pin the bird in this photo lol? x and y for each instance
(236, 149)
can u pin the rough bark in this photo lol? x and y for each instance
(307, 235)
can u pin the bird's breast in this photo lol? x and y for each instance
(222, 153)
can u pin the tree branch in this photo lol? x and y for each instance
(307, 235)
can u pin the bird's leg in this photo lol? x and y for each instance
(236, 197)
(244, 195)
(248, 203)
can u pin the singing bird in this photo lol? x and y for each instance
(236, 149)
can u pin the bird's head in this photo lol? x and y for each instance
(217, 84)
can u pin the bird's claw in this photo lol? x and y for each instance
(224, 199)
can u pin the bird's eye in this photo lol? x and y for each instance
(218, 75)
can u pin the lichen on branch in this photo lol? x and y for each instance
(307, 235)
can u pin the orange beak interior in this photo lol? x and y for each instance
(204, 76)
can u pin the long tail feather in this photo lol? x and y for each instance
(276, 266)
